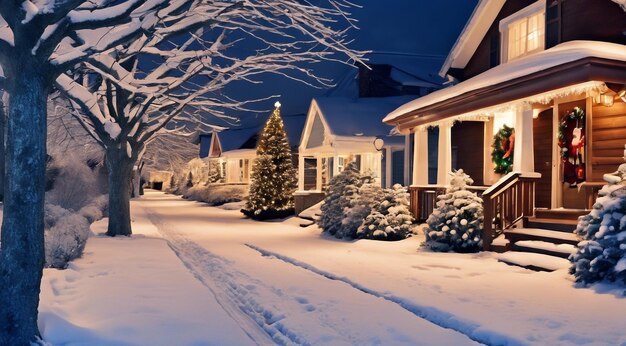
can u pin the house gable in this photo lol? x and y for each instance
(316, 129)
(216, 147)
(480, 42)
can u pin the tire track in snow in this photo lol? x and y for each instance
(262, 325)
(438, 317)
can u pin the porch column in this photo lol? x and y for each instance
(420, 157)
(300, 172)
(523, 152)
(318, 177)
(407, 159)
(388, 165)
(444, 162)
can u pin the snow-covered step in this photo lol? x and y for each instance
(545, 248)
(518, 234)
(534, 261)
(563, 225)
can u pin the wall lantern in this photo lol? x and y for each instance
(604, 99)
(379, 143)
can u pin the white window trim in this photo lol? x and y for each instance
(537, 7)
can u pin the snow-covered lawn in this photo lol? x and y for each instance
(238, 281)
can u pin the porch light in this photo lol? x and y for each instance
(604, 99)
(379, 143)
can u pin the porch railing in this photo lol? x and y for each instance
(424, 198)
(506, 203)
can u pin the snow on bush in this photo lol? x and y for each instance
(72, 183)
(217, 194)
(65, 240)
(340, 193)
(390, 218)
(360, 206)
(66, 232)
(601, 256)
(197, 173)
(456, 222)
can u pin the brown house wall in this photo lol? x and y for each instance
(598, 20)
(609, 137)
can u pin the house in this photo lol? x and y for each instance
(345, 124)
(555, 72)
(235, 148)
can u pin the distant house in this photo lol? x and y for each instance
(235, 148)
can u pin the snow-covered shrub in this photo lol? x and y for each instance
(52, 214)
(340, 193)
(360, 206)
(390, 218)
(217, 194)
(456, 222)
(65, 240)
(601, 256)
(91, 212)
(72, 182)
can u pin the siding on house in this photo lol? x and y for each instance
(609, 137)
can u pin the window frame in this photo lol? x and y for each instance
(538, 7)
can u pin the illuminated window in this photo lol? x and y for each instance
(523, 33)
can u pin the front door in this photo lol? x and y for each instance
(543, 142)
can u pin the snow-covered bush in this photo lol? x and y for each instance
(457, 220)
(601, 256)
(66, 232)
(196, 173)
(340, 193)
(65, 240)
(72, 182)
(360, 206)
(217, 194)
(390, 218)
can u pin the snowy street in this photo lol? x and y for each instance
(225, 279)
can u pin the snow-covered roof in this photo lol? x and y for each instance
(358, 116)
(558, 55)
(475, 30)
(235, 138)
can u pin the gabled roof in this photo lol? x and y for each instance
(360, 116)
(473, 33)
(475, 30)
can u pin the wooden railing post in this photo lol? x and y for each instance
(487, 224)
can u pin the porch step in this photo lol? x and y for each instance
(556, 237)
(560, 214)
(544, 248)
(534, 261)
(562, 225)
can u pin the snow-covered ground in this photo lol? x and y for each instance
(227, 280)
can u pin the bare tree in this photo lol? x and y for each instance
(176, 74)
(39, 40)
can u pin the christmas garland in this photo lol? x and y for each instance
(502, 154)
(576, 114)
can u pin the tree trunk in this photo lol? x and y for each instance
(22, 252)
(2, 136)
(120, 168)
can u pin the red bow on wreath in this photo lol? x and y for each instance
(510, 143)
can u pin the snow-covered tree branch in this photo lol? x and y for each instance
(175, 75)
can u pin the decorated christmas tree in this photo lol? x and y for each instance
(390, 219)
(456, 223)
(273, 179)
(215, 173)
(602, 254)
(342, 190)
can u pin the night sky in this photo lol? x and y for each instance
(407, 26)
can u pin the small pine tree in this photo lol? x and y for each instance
(360, 205)
(602, 254)
(215, 173)
(273, 179)
(456, 223)
(341, 191)
(390, 219)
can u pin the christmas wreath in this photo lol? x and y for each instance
(571, 136)
(502, 154)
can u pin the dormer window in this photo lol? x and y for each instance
(523, 33)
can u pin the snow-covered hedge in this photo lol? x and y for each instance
(456, 222)
(197, 173)
(66, 232)
(356, 207)
(390, 219)
(601, 256)
(217, 194)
